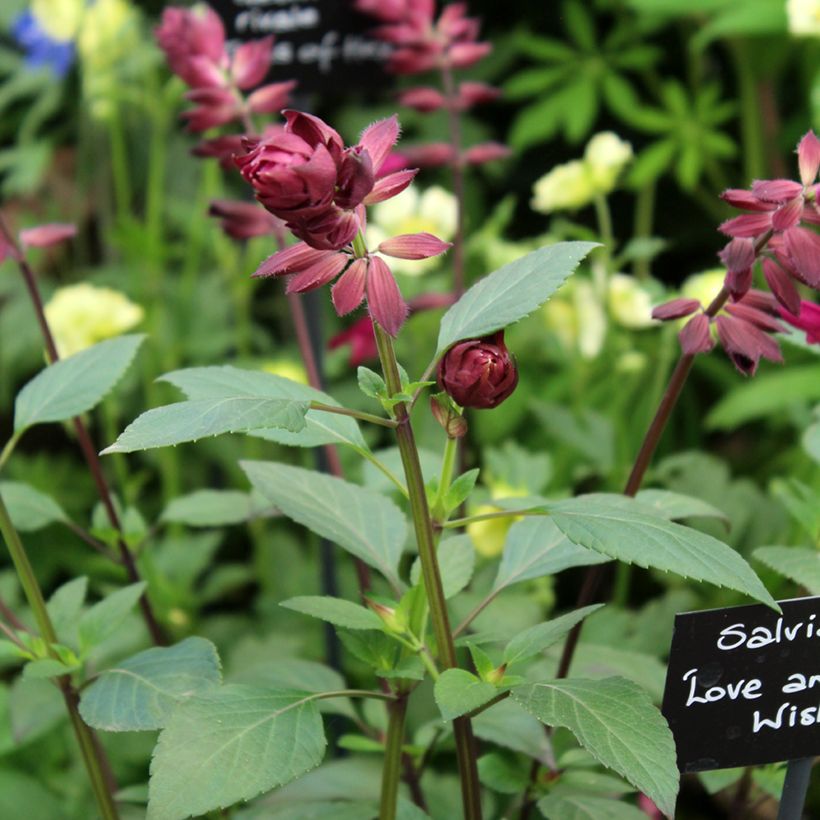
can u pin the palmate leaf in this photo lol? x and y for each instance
(615, 721)
(511, 293)
(367, 524)
(141, 692)
(230, 745)
(74, 385)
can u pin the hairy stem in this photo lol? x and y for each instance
(391, 773)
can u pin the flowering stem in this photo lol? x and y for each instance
(84, 439)
(391, 773)
(454, 121)
(425, 539)
(28, 581)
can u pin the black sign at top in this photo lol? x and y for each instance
(323, 44)
(743, 685)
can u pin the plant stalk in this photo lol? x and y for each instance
(425, 539)
(391, 773)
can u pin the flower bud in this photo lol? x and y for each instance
(454, 424)
(478, 373)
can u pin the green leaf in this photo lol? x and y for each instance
(460, 490)
(535, 547)
(65, 605)
(105, 617)
(637, 538)
(510, 293)
(503, 773)
(800, 564)
(193, 420)
(766, 395)
(46, 668)
(537, 638)
(226, 382)
(18, 790)
(371, 383)
(215, 508)
(364, 523)
(511, 727)
(142, 692)
(30, 509)
(585, 807)
(456, 561)
(811, 441)
(616, 722)
(230, 745)
(336, 611)
(676, 505)
(458, 692)
(74, 385)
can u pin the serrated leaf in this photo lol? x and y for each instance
(215, 508)
(336, 611)
(192, 420)
(106, 616)
(29, 508)
(456, 561)
(637, 538)
(230, 745)
(457, 692)
(799, 564)
(537, 638)
(74, 385)
(142, 692)
(536, 547)
(224, 382)
(586, 807)
(511, 293)
(616, 722)
(676, 505)
(367, 524)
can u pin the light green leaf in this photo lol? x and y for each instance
(230, 745)
(46, 668)
(457, 692)
(535, 547)
(336, 611)
(456, 561)
(800, 564)
(811, 441)
(503, 773)
(65, 605)
(616, 722)
(638, 538)
(537, 638)
(585, 807)
(226, 382)
(74, 385)
(511, 293)
(142, 692)
(105, 617)
(675, 506)
(30, 509)
(364, 523)
(511, 727)
(215, 508)
(193, 420)
(18, 790)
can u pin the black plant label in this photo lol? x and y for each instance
(743, 685)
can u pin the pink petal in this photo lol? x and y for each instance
(251, 62)
(756, 317)
(808, 158)
(760, 300)
(695, 336)
(738, 282)
(781, 285)
(432, 155)
(296, 257)
(45, 235)
(745, 344)
(389, 186)
(776, 190)
(384, 299)
(741, 198)
(788, 215)
(486, 152)
(348, 292)
(318, 274)
(675, 309)
(270, 98)
(422, 99)
(414, 246)
(471, 93)
(738, 254)
(803, 246)
(379, 139)
(806, 318)
(463, 55)
(747, 225)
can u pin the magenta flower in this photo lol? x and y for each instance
(43, 236)
(807, 319)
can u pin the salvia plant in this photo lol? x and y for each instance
(501, 715)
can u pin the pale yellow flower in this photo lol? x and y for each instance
(804, 17)
(59, 19)
(606, 155)
(488, 536)
(566, 187)
(433, 211)
(82, 315)
(287, 369)
(629, 303)
(577, 318)
(704, 286)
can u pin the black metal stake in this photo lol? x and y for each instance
(793, 799)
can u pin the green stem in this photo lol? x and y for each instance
(356, 414)
(383, 468)
(391, 773)
(34, 596)
(425, 539)
(471, 519)
(9, 448)
(644, 217)
(448, 462)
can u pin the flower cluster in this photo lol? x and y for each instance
(194, 45)
(773, 231)
(423, 42)
(306, 176)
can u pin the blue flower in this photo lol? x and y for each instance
(42, 50)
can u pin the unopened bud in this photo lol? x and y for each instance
(497, 675)
(454, 424)
(387, 614)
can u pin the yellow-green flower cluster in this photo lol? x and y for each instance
(575, 184)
